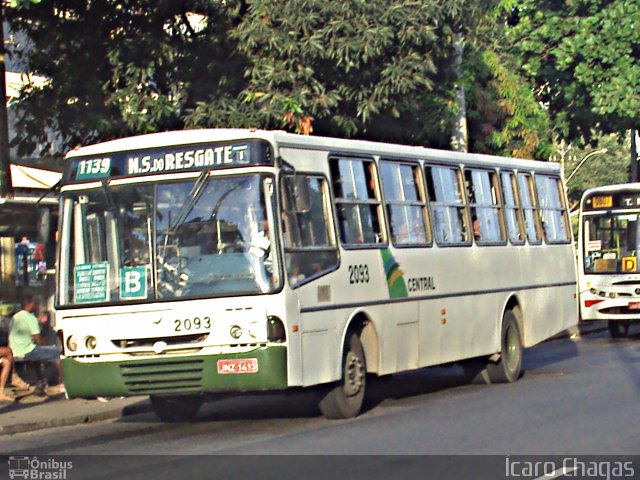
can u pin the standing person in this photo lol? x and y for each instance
(22, 250)
(25, 341)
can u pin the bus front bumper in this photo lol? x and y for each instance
(234, 372)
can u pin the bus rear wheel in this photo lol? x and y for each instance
(508, 367)
(618, 328)
(345, 399)
(177, 408)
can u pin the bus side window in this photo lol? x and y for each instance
(309, 244)
(485, 206)
(405, 202)
(448, 205)
(528, 200)
(553, 210)
(512, 208)
(357, 201)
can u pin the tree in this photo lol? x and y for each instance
(501, 113)
(583, 57)
(607, 168)
(117, 69)
(358, 69)
(372, 69)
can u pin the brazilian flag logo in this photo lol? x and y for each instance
(395, 279)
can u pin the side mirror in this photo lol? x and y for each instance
(44, 224)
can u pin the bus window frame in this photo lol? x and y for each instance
(494, 180)
(465, 205)
(517, 208)
(331, 216)
(334, 158)
(423, 202)
(563, 209)
(533, 196)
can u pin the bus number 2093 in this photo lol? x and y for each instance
(188, 324)
(358, 274)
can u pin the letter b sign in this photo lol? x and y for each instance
(133, 283)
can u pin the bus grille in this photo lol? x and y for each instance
(148, 378)
(149, 342)
(624, 310)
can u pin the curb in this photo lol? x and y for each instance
(115, 413)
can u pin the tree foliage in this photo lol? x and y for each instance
(504, 115)
(371, 69)
(585, 168)
(583, 59)
(119, 68)
(363, 69)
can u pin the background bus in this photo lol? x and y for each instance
(609, 239)
(207, 261)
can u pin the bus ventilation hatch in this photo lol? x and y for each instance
(148, 378)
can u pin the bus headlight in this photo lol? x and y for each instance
(90, 342)
(72, 343)
(593, 291)
(235, 331)
(254, 329)
(613, 294)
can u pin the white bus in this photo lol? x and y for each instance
(609, 239)
(205, 261)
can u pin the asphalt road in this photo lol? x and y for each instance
(576, 398)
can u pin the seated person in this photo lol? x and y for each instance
(25, 340)
(6, 367)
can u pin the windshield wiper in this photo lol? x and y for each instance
(194, 195)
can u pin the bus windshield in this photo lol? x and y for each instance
(199, 237)
(611, 241)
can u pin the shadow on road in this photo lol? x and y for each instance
(540, 356)
(303, 403)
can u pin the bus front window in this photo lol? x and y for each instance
(611, 243)
(214, 238)
(106, 249)
(209, 236)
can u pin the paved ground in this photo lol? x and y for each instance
(31, 412)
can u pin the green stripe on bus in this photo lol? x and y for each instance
(395, 276)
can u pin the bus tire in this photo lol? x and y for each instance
(508, 367)
(618, 328)
(178, 408)
(345, 399)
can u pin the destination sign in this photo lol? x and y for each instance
(169, 160)
(617, 200)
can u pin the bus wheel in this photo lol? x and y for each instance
(345, 399)
(618, 328)
(178, 408)
(507, 368)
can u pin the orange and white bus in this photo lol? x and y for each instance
(609, 240)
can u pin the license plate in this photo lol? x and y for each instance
(238, 365)
(634, 305)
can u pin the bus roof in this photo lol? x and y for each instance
(284, 139)
(618, 187)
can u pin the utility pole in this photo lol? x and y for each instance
(6, 186)
(633, 160)
(459, 133)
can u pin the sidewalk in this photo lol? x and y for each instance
(32, 413)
